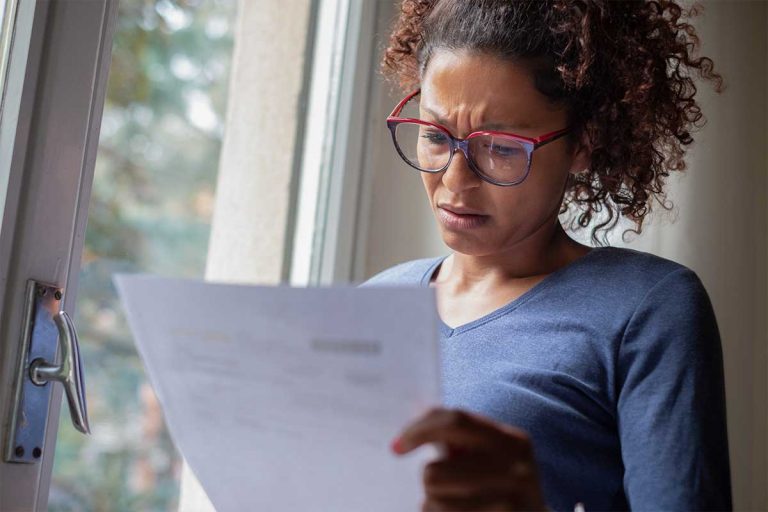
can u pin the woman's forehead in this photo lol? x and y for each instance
(486, 89)
(482, 115)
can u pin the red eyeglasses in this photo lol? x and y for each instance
(500, 158)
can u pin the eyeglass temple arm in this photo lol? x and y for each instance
(399, 107)
(550, 137)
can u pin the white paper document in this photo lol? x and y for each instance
(287, 399)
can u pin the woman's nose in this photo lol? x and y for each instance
(458, 177)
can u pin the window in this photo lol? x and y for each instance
(7, 16)
(150, 211)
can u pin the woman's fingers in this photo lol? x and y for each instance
(470, 476)
(486, 465)
(485, 504)
(462, 430)
(479, 483)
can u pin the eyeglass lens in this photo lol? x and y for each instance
(428, 148)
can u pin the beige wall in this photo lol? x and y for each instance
(249, 225)
(720, 228)
(721, 232)
(398, 219)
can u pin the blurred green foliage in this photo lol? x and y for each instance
(150, 211)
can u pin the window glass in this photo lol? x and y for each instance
(150, 211)
(7, 8)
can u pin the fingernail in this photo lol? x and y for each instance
(397, 445)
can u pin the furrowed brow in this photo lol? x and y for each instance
(485, 127)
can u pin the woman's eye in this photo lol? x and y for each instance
(502, 150)
(434, 137)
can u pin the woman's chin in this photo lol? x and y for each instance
(465, 244)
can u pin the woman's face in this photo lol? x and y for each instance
(467, 92)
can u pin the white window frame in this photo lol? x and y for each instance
(326, 230)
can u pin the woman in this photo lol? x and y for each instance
(572, 375)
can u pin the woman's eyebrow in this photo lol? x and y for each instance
(485, 126)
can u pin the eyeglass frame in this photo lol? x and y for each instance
(530, 144)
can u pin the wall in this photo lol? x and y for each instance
(249, 226)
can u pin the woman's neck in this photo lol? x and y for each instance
(525, 261)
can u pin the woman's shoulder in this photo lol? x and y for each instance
(621, 273)
(408, 273)
(633, 277)
(624, 266)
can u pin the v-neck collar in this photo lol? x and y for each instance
(548, 281)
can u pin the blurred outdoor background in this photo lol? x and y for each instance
(150, 211)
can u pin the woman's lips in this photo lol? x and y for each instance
(460, 218)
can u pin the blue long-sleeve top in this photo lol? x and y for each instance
(613, 366)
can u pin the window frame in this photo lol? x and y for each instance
(332, 187)
(56, 89)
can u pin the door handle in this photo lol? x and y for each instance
(69, 371)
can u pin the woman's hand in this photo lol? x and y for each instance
(487, 466)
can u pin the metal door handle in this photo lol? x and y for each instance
(69, 371)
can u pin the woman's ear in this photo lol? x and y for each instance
(581, 156)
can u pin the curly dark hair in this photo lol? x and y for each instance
(623, 69)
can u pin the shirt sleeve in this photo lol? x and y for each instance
(671, 401)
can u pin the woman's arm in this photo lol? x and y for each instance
(671, 401)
